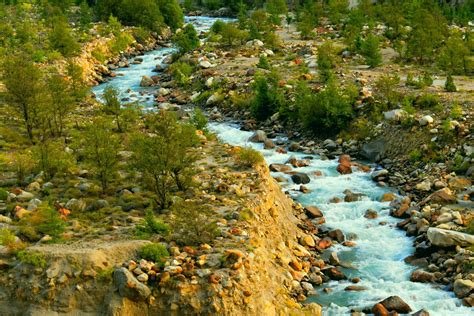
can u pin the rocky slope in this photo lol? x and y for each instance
(258, 266)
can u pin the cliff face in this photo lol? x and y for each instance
(253, 268)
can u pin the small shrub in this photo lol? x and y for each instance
(7, 237)
(151, 226)
(181, 72)
(192, 224)
(427, 101)
(263, 62)
(33, 258)
(249, 157)
(155, 253)
(3, 195)
(449, 86)
(44, 221)
(415, 155)
(199, 120)
(470, 227)
(456, 112)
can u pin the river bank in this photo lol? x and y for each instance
(331, 149)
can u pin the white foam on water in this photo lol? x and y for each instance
(380, 249)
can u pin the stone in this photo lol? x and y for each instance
(421, 312)
(129, 287)
(395, 303)
(278, 167)
(337, 234)
(313, 212)
(214, 99)
(300, 178)
(344, 166)
(425, 120)
(146, 82)
(424, 186)
(308, 241)
(33, 186)
(422, 276)
(379, 310)
(334, 274)
(355, 288)
(395, 115)
(24, 196)
(268, 144)
(142, 277)
(388, 197)
(448, 238)
(463, 288)
(5, 219)
(379, 175)
(334, 259)
(76, 205)
(258, 137)
(329, 144)
(374, 150)
(205, 64)
(371, 214)
(443, 196)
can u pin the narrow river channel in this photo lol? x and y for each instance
(378, 256)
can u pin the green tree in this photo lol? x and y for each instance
(112, 105)
(145, 13)
(172, 13)
(162, 156)
(100, 150)
(454, 55)
(326, 61)
(61, 104)
(24, 91)
(427, 34)
(85, 18)
(324, 113)
(371, 51)
(267, 100)
(51, 158)
(62, 39)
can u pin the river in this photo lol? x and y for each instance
(380, 250)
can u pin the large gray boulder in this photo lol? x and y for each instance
(463, 288)
(373, 150)
(129, 287)
(447, 238)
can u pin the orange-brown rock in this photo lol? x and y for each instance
(379, 310)
(344, 166)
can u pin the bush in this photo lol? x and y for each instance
(249, 157)
(3, 195)
(151, 226)
(267, 100)
(449, 86)
(181, 72)
(199, 120)
(44, 221)
(263, 62)
(7, 237)
(192, 224)
(371, 51)
(324, 113)
(427, 101)
(33, 258)
(186, 40)
(154, 252)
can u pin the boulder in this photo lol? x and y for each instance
(329, 144)
(337, 234)
(334, 274)
(214, 99)
(205, 64)
(278, 167)
(129, 287)
(442, 196)
(344, 166)
(463, 288)
(76, 205)
(258, 137)
(300, 178)
(422, 276)
(24, 196)
(425, 120)
(380, 310)
(268, 144)
(146, 82)
(379, 175)
(313, 212)
(371, 214)
(395, 115)
(395, 303)
(448, 238)
(373, 151)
